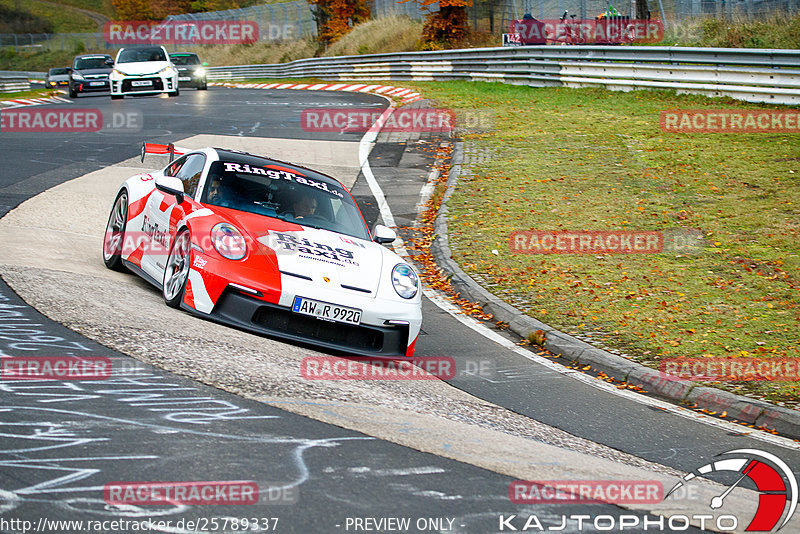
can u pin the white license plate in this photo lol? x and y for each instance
(96, 84)
(141, 83)
(326, 310)
(185, 79)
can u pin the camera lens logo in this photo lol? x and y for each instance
(774, 481)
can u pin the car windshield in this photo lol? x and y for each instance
(91, 63)
(285, 193)
(189, 59)
(55, 72)
(137, 55)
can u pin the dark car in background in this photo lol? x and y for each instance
(191, 73)
(57, 77)
(89, 74)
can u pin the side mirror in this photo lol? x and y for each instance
(110, 62)
(383, 234)
(171, 186)
(69, 70)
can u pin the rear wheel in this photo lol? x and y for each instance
(114, 237)
(117, 97)
(176, 272)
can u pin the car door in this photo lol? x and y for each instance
(163, 211)
(155, 225)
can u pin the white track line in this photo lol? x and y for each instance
(469, 322)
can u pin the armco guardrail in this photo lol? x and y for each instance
(754, 75)
(12, 84)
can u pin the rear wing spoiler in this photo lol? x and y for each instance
(155, 148)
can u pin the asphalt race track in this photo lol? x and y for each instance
(190, 400)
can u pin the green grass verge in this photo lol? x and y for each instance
(63, 20)
(34, 93)
(586, 159)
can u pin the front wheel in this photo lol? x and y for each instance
(114, 238)
(117, 97)
(176, 272)
(176, 92)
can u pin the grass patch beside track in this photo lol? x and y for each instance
(33, 93)
(62, 18)
(590, 159)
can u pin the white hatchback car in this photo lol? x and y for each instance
(143, 70)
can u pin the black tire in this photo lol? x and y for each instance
(176, 92)
(203, 87)
(117, 97)
(176, 271)
(72, 93)
(114, 237)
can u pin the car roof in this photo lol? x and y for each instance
(141, 47)
(235, 156)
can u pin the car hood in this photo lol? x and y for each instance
(309, 253)
(93, 71)
(326, 258)
(144, 67)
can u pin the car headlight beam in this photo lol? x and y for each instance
(228, 241)
(405, 281)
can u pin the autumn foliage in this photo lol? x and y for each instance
(159, 9)
(449, 24)
(336, 17)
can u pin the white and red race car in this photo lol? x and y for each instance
(266, 246)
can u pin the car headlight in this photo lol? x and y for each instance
(77, 76)
(169, 71)
(228, 241)
(117, 74)
(405, 281)
(200, 73)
